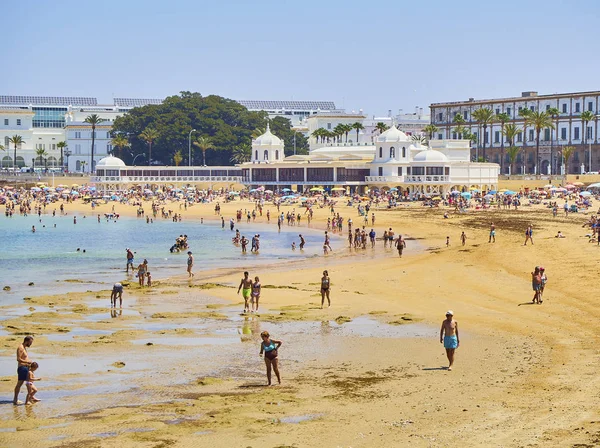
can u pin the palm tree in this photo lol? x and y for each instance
(347, 128)
(16, 140)
(586, 117)
(502, 118)
(381, 127)
(555, 115)
(61, 146)
(510, 132)
(512, 152)
(120, 141)
(567, 152)
(524, 113)
(149, 135)
(203, 143)
(539, 120)
(358, 126)
(241, 154)
(177, 157)
(460, 128)
(94, 120)
(430, 129)
(41, 153)
(484, 117)
(257, 133)
(419, 138)
(83, 164)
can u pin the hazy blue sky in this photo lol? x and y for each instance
(372, 55)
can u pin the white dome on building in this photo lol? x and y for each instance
(430, 155)
(392, 135)
(267, 139)
(110, 162)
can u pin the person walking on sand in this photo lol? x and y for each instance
(536, 283)
(528, 235)
(31, 389)
(463, 238)
(255, 294)
(400, 245)
(449, 336)
(23, 364)
(325, 287)
(269, 347)
(492, 233)
(544, 280)
(246, 287)
(129, 260)
(142, 269)
(190, 264)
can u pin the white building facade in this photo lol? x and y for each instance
(569, 130)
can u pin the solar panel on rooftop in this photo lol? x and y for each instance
(47, 100)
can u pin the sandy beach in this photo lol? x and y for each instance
(367, 372)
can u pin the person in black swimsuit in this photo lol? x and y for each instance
(325, 286)
(269, 347)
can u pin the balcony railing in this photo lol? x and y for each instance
(426, 179)
(382, 179)
(177, 179)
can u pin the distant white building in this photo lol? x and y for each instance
(295, 111)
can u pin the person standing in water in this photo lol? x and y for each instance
(129, 260)
(449, 336)
(325, 287)
(255, 294)
(23, 364)
(269, 347)
(190, 264)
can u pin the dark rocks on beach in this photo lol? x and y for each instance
(6, 288)
(30, 284)
(149, 343)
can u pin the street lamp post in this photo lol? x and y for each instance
(295, 142)
(133, 163)
(190, 147)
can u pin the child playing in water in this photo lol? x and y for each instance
(255, 294)
(31, 389)
(149, 279)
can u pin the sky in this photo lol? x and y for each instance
(373, 56)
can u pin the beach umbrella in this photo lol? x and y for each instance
(317, 189)
(466, 195)
(62, 186)
(233, 193)
(36, 189)
(570, 187)
(286, 190)
(578, 184)
(393, 189)
(74, 193)
(75, 186)
(509, 193)
(269, 191)
(338, 189)
(261, 188)
(253, 190)
(585, 193)
(548, 186)
(455, 192)
(474, 189)
(437, 198)
(492, 192)
(303, 199)
(596, 185)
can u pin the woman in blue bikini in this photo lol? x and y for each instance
(269, 347)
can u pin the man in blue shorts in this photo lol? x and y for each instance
(23, 363)
(449, 336)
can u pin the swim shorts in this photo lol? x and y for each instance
(118, 288)
(23, 373)
(493, 233)
(450, 342)
(246, 293)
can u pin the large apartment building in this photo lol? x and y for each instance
(569, 130)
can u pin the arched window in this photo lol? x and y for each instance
(403, 151)
(78, 166)
(256, 155)
(266, 157)
(380, 152)
(276, 154)
(392, 153)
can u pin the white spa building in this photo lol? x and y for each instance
(392, 160)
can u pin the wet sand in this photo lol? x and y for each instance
(369, 371)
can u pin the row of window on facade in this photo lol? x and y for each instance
(7, 122)
(392, 152)
(266, 154)
(563, 110)
(292, 175)
(92, 134)
(545, 136)
(170, 173)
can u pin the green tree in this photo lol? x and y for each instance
(483, 116)
(510, 132)
(61, 146)
(513, 152)
(120, 141)
(93, 120)
(567, 152)
(502, 118)
(225, 121)
(586, 117)
(149, 135)
(339, 131)
(41, 153)
(177, 158)
(459, 121)
(381, 127)
(555, 115)
(241, 154)
(203, 143)
(358, 126)
(16, 140)
(347, 128)
(418, 138)
(524, 113)
(430, 130)
(257, 133)
(282, 128)
(538, 120)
